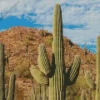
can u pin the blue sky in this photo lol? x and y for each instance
(81, 18)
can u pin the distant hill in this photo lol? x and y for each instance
(90, 47)
(21, 51)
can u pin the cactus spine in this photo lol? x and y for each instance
(2, 67)
(11, 87)
(98, 69)
(55, 73)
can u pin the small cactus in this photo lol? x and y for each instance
(11, 87)
(83, 96)
(89, 80)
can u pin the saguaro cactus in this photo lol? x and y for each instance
(11, 87)
(55, 72)
(98, 69)
(56, 82)
(2, 67)
(2, 81)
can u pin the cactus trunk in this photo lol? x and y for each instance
(2, 83)
(56, 82)
(11, 87)
(83, 96)
(98, 69)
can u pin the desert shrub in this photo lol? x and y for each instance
(29, 36)
(48, 41)
(43, 32)
(22, 68)
(19, 95)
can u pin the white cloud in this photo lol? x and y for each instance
(75, 12)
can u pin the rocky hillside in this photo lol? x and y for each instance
(21, 51)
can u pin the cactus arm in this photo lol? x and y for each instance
(38, 75)
(33, 97)
(2, 86)
(11, 87)
(43, 60)
(75, 68)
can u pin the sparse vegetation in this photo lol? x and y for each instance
(48, 41)
(43, 32)
(20, 62)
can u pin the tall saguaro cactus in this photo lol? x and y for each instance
(54, 74)
(98, 69)
(2, 82)
(56, 82)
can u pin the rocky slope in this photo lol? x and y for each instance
(21, 51)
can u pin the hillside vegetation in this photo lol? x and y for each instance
(21, 51)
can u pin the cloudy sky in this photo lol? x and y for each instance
(81, 18)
